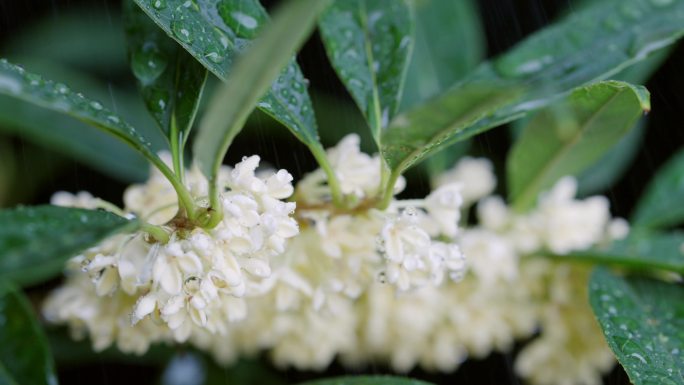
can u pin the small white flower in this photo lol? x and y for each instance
(475, 175)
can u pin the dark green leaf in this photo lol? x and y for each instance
(20, 84)
(661, 204)
(640, 250)
(610, 168)
(171, 81)
(251, 77)
(35, 241)
(24, 354)
(367, 380)
(95, 148)
(569, 136)
(643, 321)
(215, 32)
(425, 129)
(449, 43)
(369, 43)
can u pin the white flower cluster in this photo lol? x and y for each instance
(356, 284)
(196, 282)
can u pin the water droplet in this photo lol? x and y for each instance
(214, 54)
(243, 17)
(158, 4)
(96, 105)
(181, 31)
(10, 84)
(148, 64)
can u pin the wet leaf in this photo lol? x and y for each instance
(569, 136)
(215, 32)
(369, 43)
(661, 203)
(24, 354)
(640, 250)
(29, 87)
(35, 241)
(367, 380)
(251, 77)
(171, 80)
(449, 43)
(643, 322)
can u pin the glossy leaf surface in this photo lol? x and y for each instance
(661, 203)
(643, 321)
(369, 43)
(215, 32)
(35, 241)
(171, 80)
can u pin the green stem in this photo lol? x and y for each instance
(157, 232)
(185, 201)
(389, 190)
(334, 184)
(215, 212)
(176, 141)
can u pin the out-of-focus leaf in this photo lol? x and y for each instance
(570, 136)
(35, 241)
(84, 38)
(367, 380)
(425, 129)
(643, 321)
(215, 32)
(29, 87)
(25, 358)
(661, 203)
(640, 250)
(449, 43)
(609, 168)
(251, 77)
(369, 43)
(171, 81)
(56, 131)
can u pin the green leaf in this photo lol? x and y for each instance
(641, 250)
(569, 136)
(24, 354)
(252, 76)
(449, 43)
(661, 203)
(21, 84)
(171, 81)
(95, 148)
(643, 321)
(366, 380)
(613, 164)
(425, 129)
(35, 241)
(215, 32)
(369, 43)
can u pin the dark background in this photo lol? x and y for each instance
(505, 21)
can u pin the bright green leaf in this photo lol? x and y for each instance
(171, 81)
(569, 136)
(640, 250)
(449, 43)
(215, 32)
(29, 87)
(24, 354)
(369, 43)
(251, 77)
(35, 241)
(425, 129)
(367, 380)
(643, 321)
(661, 204)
